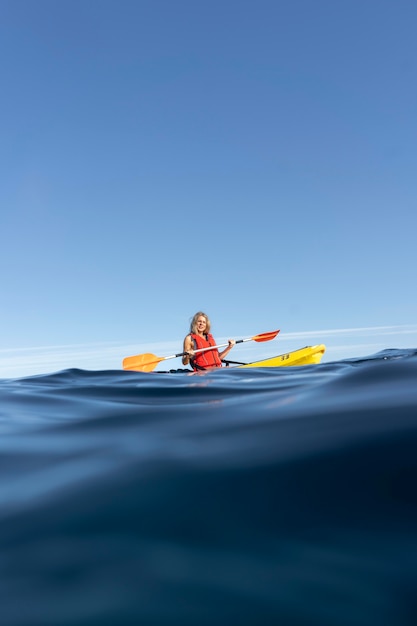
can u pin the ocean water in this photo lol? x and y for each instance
(240, 497)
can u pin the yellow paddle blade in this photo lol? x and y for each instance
(141, 362)
(266, 336)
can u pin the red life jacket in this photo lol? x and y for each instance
(204, 360)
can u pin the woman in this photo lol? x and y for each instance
(200, 337)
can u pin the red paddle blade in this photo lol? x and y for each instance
(266, 336)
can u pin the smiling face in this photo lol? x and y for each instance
(201, 325)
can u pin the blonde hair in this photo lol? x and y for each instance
(193, 325)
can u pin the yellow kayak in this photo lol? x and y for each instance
(309, 355)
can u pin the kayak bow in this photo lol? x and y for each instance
(310, 355)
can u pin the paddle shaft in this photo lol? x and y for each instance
(158, 359)
(148, 362)
(221, 345)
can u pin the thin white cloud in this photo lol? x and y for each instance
(375, 330)
(20, 362)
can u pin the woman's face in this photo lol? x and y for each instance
(201, 324)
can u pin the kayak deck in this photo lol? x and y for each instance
(309, 355)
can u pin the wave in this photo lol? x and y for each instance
(282, 496)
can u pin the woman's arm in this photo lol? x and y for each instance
(188, 347)
(226, 351)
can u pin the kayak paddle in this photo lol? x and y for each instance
(147, 362)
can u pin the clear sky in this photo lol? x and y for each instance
(255, 159)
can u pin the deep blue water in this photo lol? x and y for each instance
(271, 497)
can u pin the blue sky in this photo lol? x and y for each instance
(253, 159)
